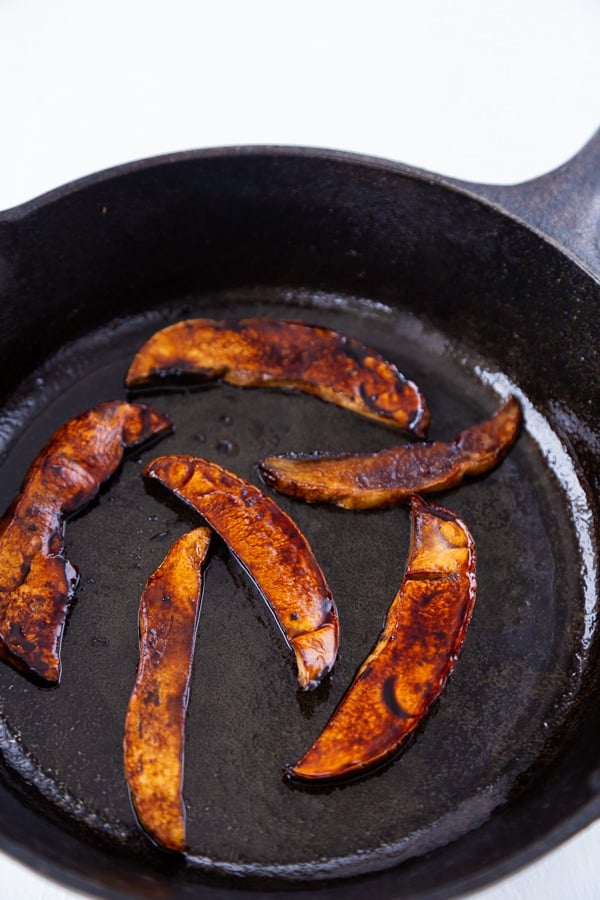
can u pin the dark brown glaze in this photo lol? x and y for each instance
(416, 651)
(264, 352)
(37, 582)
(390, 476)
(153, 747)
(271, 548)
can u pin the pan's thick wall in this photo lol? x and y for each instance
(128, 240)
(120, 243)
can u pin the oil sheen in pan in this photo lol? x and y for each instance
(508, 700)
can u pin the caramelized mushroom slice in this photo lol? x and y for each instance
(416, 651)
(271, 548)
(390, 476)
(37, 582)
(153, 747)
(266, 352)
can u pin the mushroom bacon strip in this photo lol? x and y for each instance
(416, 651)
(37, 582)
(153, 747)
(264, 352)
(390, 476)
(271, 548)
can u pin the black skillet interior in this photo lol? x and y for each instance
(469, 304)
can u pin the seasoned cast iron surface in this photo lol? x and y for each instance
(505, 705)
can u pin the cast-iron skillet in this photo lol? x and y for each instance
(474, 292)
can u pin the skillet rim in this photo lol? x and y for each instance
(479, 192)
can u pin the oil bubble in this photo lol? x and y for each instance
(228, 448)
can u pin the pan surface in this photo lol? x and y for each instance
(470, 305)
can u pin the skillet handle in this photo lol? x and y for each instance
(563, 204)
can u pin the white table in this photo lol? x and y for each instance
(488, 92)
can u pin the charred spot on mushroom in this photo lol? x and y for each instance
(389, 698)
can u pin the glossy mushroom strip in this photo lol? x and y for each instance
(416, 651)
(153, 747)
(37, 582)
(390, 476)
(271, 548)
(266, 352)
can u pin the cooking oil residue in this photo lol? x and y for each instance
(30, 771)
(559, 461)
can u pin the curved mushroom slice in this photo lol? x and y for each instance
(271, 548)
(153, 747)
(413, 657)
(391, 476)
(37, 582)
(266, 352)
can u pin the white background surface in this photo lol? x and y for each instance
(496, 92)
